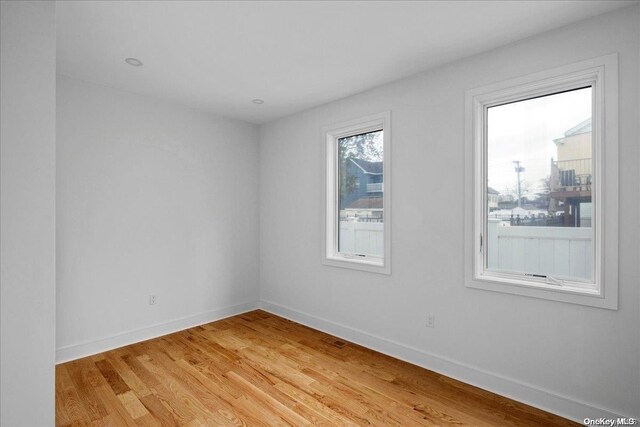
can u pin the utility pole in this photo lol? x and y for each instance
(519, 169)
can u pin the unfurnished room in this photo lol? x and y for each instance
(336, 213)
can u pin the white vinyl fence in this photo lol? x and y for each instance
(552, 251)
(365, 238)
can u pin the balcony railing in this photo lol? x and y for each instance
(375, 188)
(574, 172)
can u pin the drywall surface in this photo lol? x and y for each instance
(153, 199)
(27, 212)
(571, 359)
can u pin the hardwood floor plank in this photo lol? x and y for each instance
(114, 406)
(370, 386)
(258, 369)
(62, 416)
(147, 378)
(72, 409)
(258, 396)
(163, 415)
(230, 395)
(128, 376)
(113, 378)
(314, 404)
(268, 384)
(133, 406)
(85, 376)
(171, 401)
(148, 421)
(204, 401)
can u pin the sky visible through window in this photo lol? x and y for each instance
(524, 131)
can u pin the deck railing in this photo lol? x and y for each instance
(375, 188)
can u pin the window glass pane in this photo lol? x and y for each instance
(539, 186)
(360, 191)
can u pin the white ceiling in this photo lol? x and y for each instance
(218, 56)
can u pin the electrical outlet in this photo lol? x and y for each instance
(152, 300)
(431, 321)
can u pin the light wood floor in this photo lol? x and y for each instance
(260, 369)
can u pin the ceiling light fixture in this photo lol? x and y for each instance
(134, 62)
(258, 101)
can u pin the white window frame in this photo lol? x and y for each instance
(602, 74)
(330, 254)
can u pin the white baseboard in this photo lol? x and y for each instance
(87, 348)
(546, 400)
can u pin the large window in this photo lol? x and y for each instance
(540, 167)
(357, 210)
(544, 218)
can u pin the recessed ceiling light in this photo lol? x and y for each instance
(133, 61)
(258, 101)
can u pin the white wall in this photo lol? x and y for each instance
(153, 198)
(27, 212)
(574, 360)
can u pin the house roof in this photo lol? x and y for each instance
(492, 191)
(367, 203)
(582, 127)
(371, 168)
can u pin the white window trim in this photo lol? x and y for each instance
(602, 73)
(330, 135)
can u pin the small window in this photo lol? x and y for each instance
(357, 210)
(543, 195)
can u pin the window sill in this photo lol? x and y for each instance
(567, 293)
(371, 265)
